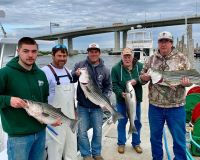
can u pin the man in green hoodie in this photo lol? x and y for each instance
(22, 79)
(128, 69)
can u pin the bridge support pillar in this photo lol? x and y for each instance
(190, 45)
(117, 41)
(70, 44)
(60, 41)
(124, 38)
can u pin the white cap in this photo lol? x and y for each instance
(127, 51)
(165, 35)
(93, 46)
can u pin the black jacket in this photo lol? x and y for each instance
(100, 75)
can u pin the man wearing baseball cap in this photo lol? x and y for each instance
(93, 46)
(90, 114)
(166, 102)
(165, 35)
(127, 70)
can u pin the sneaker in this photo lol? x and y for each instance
(88, 158)
(121, 149)
(138, 149)
(98, 158)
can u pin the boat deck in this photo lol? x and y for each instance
(109, 141)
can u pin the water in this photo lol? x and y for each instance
(109, 60)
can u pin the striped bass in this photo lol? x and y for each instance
(130, 100)
(47, 114)
(174, 77)
(94, 94)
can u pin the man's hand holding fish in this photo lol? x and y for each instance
(185, 81)
(16, 102)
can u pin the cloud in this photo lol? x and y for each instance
(33, 17)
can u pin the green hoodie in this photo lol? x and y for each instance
(19, 82)
(121, 75)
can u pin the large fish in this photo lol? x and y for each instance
(94, 94)
(174, 77)
(130, 100)
(46, 113)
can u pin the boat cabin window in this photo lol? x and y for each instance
(137, 52)
(7, 52)
(146, 51)
(137, 36)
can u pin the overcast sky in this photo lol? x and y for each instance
(33, 17)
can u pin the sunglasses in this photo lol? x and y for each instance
(60, 46)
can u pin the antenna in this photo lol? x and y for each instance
(2, 14)
(3, 31)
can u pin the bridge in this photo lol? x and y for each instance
(117, 28)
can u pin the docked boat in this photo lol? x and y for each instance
(114, 52)
(8, 48)
(7, 51)
(141, 41)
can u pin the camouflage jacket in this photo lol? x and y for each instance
(161, 95)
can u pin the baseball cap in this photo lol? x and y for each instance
(127, 51)
(165, 35)
(93, 46)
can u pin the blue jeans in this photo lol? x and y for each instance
(175, 119)
(121, 128)
(29, 147)
(90, 118)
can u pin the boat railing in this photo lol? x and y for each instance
(140, 41)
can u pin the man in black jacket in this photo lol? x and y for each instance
(90, 114)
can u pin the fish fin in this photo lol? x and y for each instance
(103, 107)
(39, 119)
(58, 109)
(45, 114)
(161, 80)
(116, 116)
(74, 125)
(132, 130)
(88, 89)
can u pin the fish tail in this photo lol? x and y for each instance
(117, 116)
(132, 130)
(74, 125)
